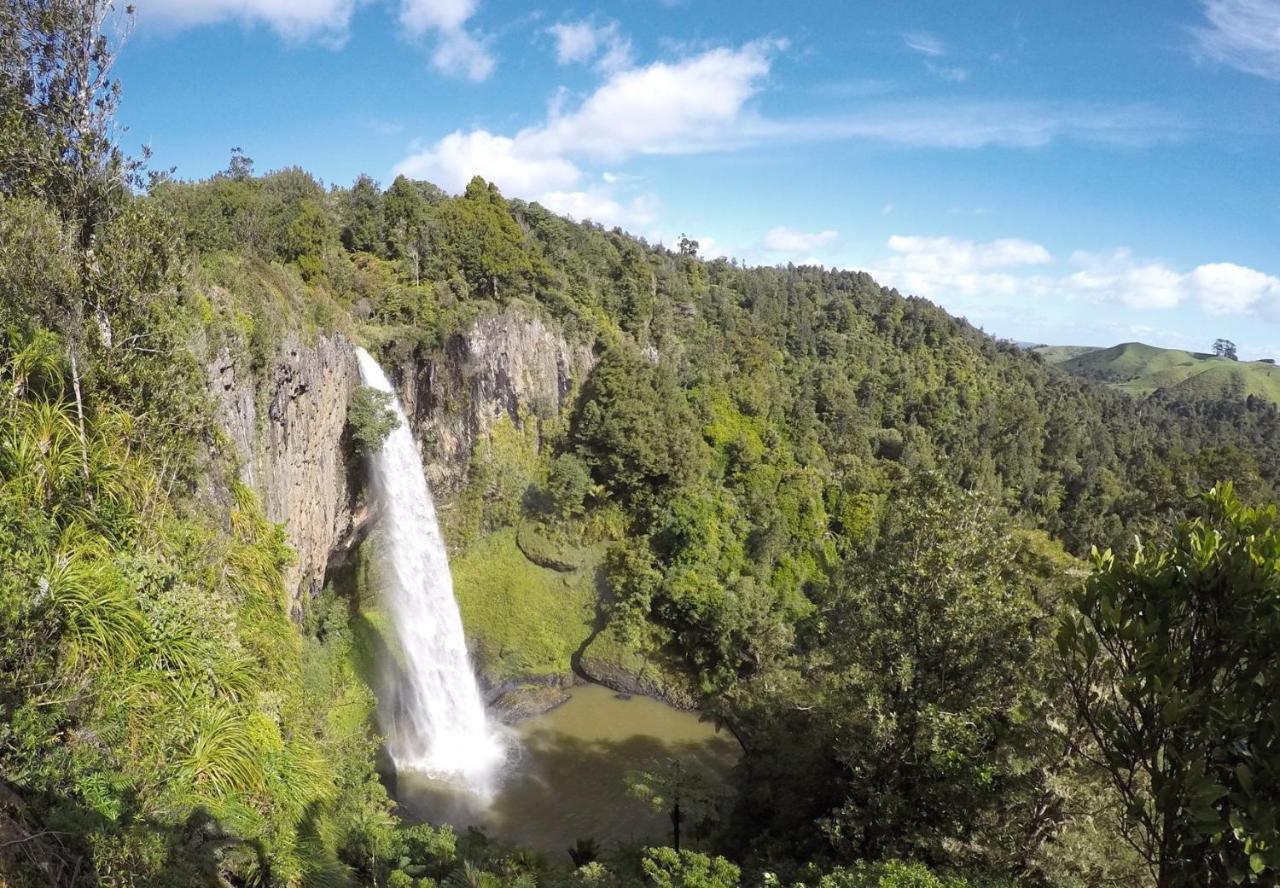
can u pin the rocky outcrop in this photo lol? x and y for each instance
(286, 426)
(507, 364)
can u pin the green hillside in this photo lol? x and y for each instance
(1141, 370)
(1056, 354)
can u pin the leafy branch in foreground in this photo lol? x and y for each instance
(1171, 661)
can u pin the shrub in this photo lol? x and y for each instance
(371, 419)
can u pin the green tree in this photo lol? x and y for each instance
(569, 484)
(477, 236)
(668, 868)
(370, 419)
(364, 225)
(634, 428)
(407, 220)
(308, 237)
(1171, 661)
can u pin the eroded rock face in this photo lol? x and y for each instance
(509, 364)
(287, 425)
(288, 434)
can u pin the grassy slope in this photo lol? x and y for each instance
(524, 621)
(1143, 369)
(1056, 354)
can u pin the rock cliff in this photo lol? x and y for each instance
(287, 428)
(510, 363)
(287, 422)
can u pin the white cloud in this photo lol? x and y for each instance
(951, 256)
(949, 269)
(291, 19)
(982, 124)
(452, 161)
(1116, 278)
(1226, 288)
(580, 42)
(602, 206)
(789, 240)
(457, 52)
(1244, 34)
(665, 107)
(924, 43)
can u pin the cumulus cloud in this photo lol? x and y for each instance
(1227, 288)
(601, 205)
(665, 107)
(292, 19)
(457, 51)
(946, 268)
(452, 161)
(1243, 34)
(584, 41)
(789, 240)
(1116, 277)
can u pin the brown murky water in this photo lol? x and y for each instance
(567, 775)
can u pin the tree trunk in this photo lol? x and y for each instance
(84, 441)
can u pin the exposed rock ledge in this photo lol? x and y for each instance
(287, 428)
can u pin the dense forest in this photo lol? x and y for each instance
(974, 621)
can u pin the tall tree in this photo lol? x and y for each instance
(1171, 660)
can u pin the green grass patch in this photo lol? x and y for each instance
(523, 620)
(1140, 370)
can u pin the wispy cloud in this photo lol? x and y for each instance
(457, 50)
(924, 43)
(933, 49)
(294, 20)
(790, 240)
(1243, 34)
(981, 124)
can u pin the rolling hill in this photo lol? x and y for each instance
(1140, 370)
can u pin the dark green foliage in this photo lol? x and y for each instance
(1171, 657)
(841, 510)
(476, 238)
(635, 430)
(370, 419)
(913, 730)
(365, 224)
(569, 485)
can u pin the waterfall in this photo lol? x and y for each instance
(433, 715)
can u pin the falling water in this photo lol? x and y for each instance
(433, 715)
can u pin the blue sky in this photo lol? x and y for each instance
(1068, 172)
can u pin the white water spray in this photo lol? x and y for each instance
(433, 716)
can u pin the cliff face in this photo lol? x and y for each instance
(287, 424)
(287, 429)
(508, 364)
